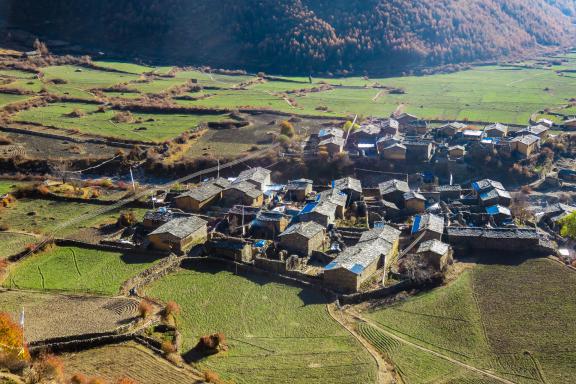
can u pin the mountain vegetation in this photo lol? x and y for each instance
(305, 35)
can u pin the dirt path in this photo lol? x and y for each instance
(359, 317)
(385, 375)
(375, 98)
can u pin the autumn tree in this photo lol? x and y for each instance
(287, 129)
(13, 351)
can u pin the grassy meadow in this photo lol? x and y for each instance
(509, 319)
(73, 269)
(145, 127)
(277, 333)
(14, 243)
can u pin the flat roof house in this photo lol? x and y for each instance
(259, 177)
(202, 196)
(179, 235)
(393, 191)
(430, 225)
(303, 238)
(269, 224)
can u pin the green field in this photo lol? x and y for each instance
(510, 319)
(6, 99)
(277, 333)
(40, 216)
(14, 243)
(77, 270)
(145, 127)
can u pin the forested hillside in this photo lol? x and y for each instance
(305, 35)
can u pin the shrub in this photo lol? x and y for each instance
(97, 380)
(50, 367)
(168, 347)
(172, 308)
(212, 377)
(145, 309)
(127, 219)
(78, 378)
(123, 117)
(287, 129)
(77, 112)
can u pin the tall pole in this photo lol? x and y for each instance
(132, 178)
(218, 160)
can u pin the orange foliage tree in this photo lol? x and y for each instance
(13, 350)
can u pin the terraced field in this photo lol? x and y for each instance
(72, 269)
(509, 319)
(277, 333)
(14, 243)
(70, 315)
(126, 360)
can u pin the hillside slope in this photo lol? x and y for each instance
(305, 35)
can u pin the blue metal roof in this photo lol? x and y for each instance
(308, 208)
(416, 224)
(484, 195)
(357, 269)
(493, 210)
(476, 186)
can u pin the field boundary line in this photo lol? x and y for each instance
(432, 352)
(538, 368)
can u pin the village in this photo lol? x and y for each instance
(351, 236)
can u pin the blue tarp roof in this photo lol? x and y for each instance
(475, 186)
(260, 243)
(357, 269)
(308, 208)
(330, 266)
(416, 225)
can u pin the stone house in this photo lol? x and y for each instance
(332, 145)
(202, 196)
(243, 193)
(553, 214)
(435, 254)
(336, 197)
(404, 119)
(472, 135)
(389, 127)
(509, 240)
(356, 264)
(298, 190)
(156, 218)
(394, 152)
(303, 238)
(323, 213)
(259, 177)
(414, 202)
(482, 186)
(541, 131)
(499, 213)
(351, 187)
(328, 133)
(496, 130)
(230, 248)
(418, 150)
(269, 224)
(451, 129)
(179, 235)
(495, 196)
(429, 225)
(526, 145)
(393, 191)
(417, 128)
(449, 192)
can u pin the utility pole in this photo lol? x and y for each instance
(132, 178)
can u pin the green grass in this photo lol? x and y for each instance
(13, 243)
(124, 67)
(158, 127)
(40, 216)
(77, 270)
(6, 99)
(505, 318)
(7, 186)
(277, 333)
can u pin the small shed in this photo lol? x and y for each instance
(298, 190)
(394, 151)
(258, 176)
(430, 225)
(243, 193)
(323, 213)
(200, 197)
(393, 190)
(435, 253)
(414, 202)
(351, 187)
(496, 130)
